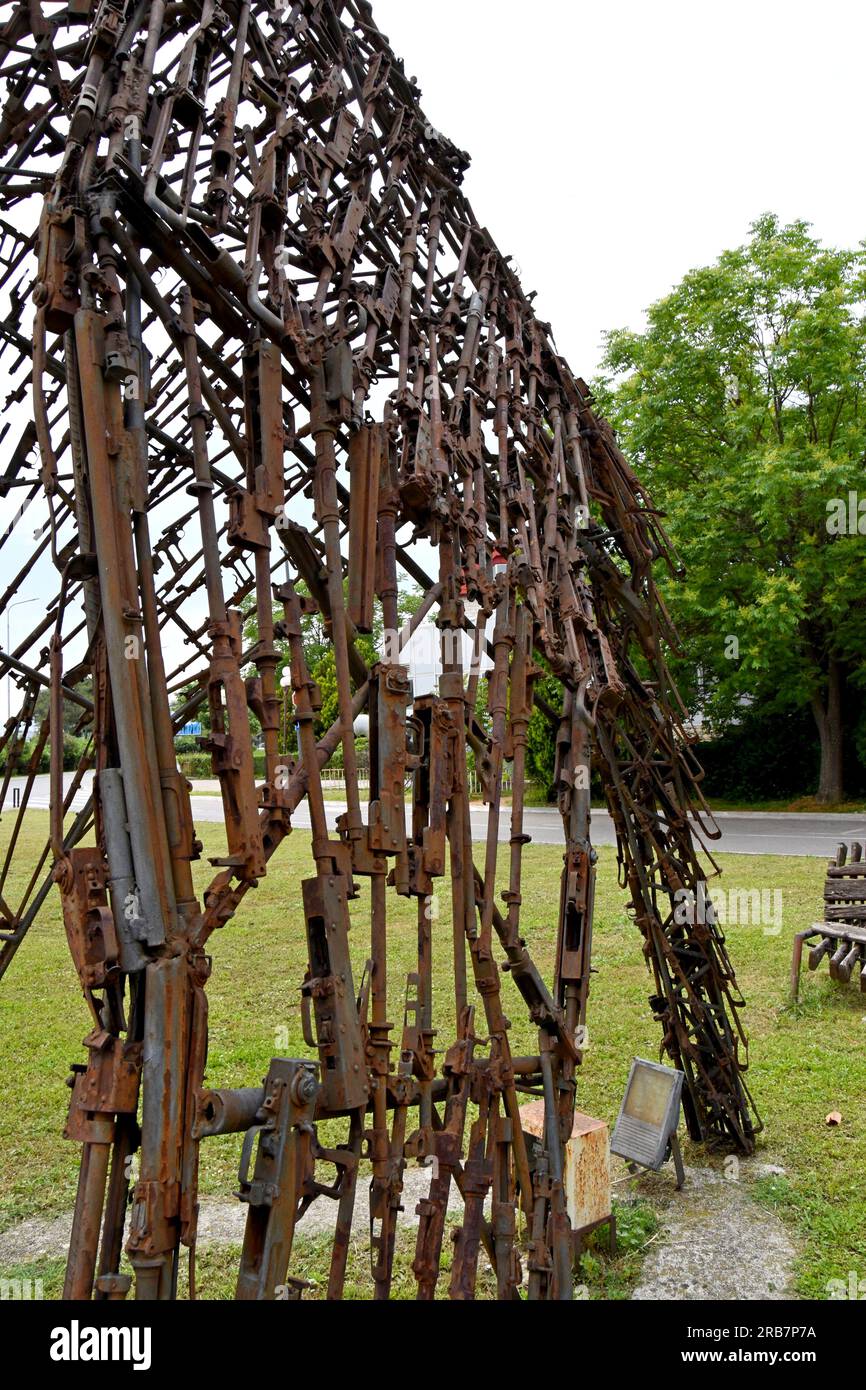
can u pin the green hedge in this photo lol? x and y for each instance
(197, 765)
(769, 757)
(762, 759)
(73, 750)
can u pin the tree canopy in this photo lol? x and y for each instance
(742, 406)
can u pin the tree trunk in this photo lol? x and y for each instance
(828, 718)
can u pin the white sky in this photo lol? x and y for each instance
(617, 145)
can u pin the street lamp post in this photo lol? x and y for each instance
(17, 604)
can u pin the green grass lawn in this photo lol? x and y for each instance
(803, 1064)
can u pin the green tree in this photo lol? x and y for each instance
(74, 717)
(319, 648)
(742, 405)
(324, 673)
(541, 735)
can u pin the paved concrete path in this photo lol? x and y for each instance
(715, 1241)
(221, 1222)
(742, 832)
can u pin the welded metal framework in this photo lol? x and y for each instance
(274, 362)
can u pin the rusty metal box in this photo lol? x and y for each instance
(587, 1165)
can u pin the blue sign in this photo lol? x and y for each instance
(190, 730)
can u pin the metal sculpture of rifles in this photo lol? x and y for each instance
(264, 361)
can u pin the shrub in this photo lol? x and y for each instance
(195, 764)
(762, 758)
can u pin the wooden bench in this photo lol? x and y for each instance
(842, 934)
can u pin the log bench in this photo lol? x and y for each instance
(842, 934)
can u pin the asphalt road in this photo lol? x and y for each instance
(743, 832)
